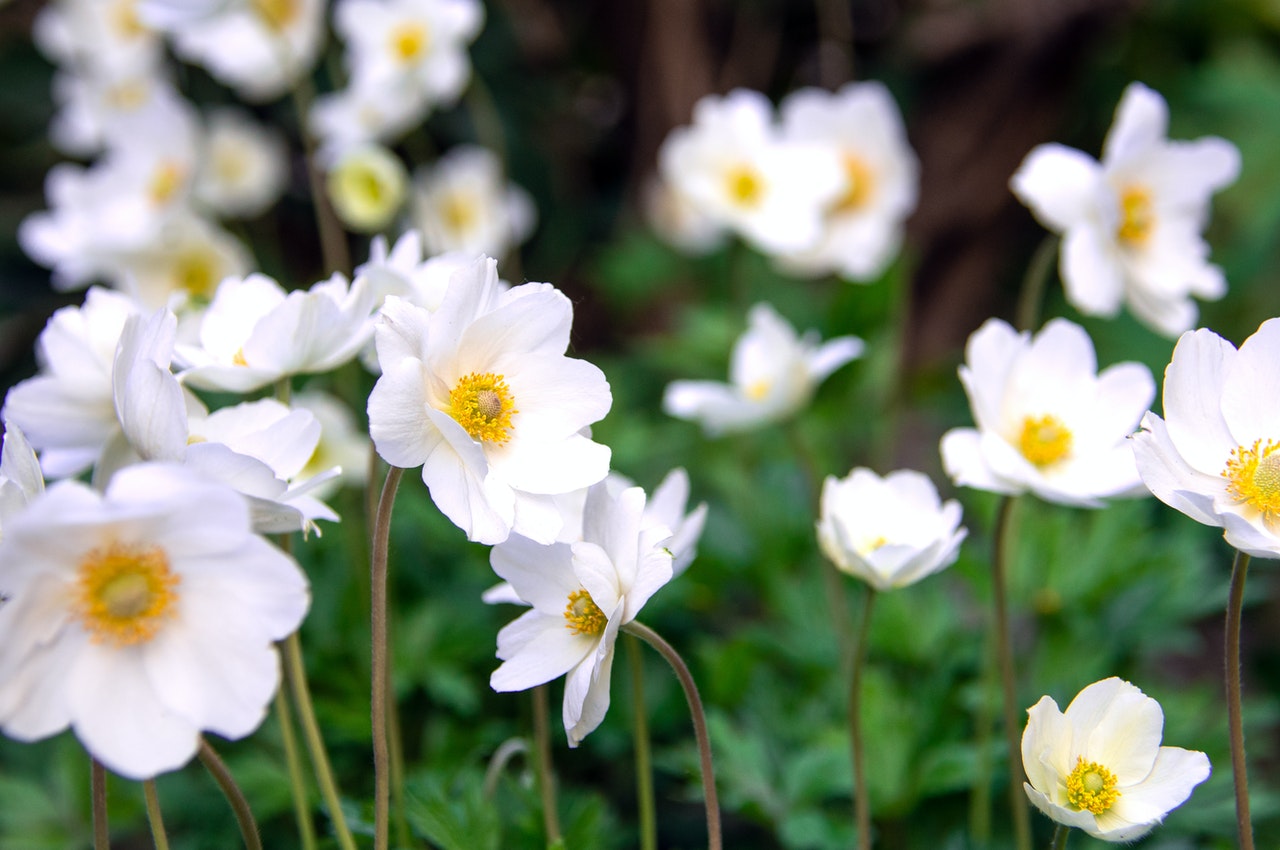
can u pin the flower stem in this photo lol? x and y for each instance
(668, 652)
(98, 796)
(542, 757)
(380, 664)
(293, 760)
(861, 799)
(1004, 648)
(1060, 834)
(333, 238)
(644, 760)
(158, 836)
(1239, 769)
(1034, 283)
(235, 797)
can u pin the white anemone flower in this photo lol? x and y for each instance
(243, 166)
(733, 166)
(1047, 421)
(581, 595)
(678, 220)
(184, 265)
(366, 111)
(367, 185)
(891, 531)
(463, 204)
(1100, 767)
(141, 617)
(102, 36)
(1131, 224)
(773, 373)
(481, 395)
(1215, 455)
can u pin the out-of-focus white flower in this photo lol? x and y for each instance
(242, 168)
(343, 444)
(734, 167)
(1099, 766)
(773, 373)
(581, 594)
(481, 395)
(105, 36)
(255, 333)
(405, 272)
(1131, 224)
(184, 266)
(463, 204)
(141, 617)
(106, 108)
(365, 111)
(678, 220)
(1048, 421)
(21, 480)
(1216, 454)
(864, 226)
(367, 185)
(890, 532)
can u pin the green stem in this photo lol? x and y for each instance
(506, 751)
(1004, 647)
(404, 837)
(98, 796)
(380, 663)
(644, 760)
(667, 651)
(235, 797)
(1034, 283)
(1060, 834)
(158, 836)
(542, 757)
(1239, 769)
(293, 760)
(861, 797)
(333, 238)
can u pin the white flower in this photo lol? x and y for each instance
(365, 111)
(890, 532)
(343, 444)
(104, 107)
(1216, 454)
(20, 478)
(403, 271)
(141, 617)
(101, 36)
(773, 373)
(678, 220)
(481, 395)
(243, 165)
(367, 184)
(1131, 224)
(733, 166)
(864, 225)
(464, 204)
(184, 265)
(581, 594)
(1099, 766)
(1048, 421)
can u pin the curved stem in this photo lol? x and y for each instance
(649, 636)
(861, 799)
(1239, 769)
(644, 761)
(235, 797)
(1004, 648)
(1060, 837)
(1034, 283)
(293, 760)
(98, 796)
(542, 756)
(380, 663)
(506, 751)
(158, 836)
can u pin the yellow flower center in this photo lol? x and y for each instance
(1253, 477)
(1136, 216)
(409, 42)
(871, 544)
(744, 185)
(757, 390)
(1044, 440)
(277, 14)
(482, 404)
(584, 615)
(125, 593)
(124, 17)
(195, 271)
(126, 96)
(1092, 787)
(861, 185)
(166, 181)
(460, 212)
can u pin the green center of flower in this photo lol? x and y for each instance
(744, 186)
(1044, 440)
(1091, 787)
(860, 185)
(1136, 216)
(125, 593)
(1253, 477)
(482, 404)
(584, 615)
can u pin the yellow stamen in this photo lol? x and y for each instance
(861, 185)
(125, 593)
(1253, 477)
(124, 17)
(166, 181)
(277, 14)
(584, 616)
(195, 271)
(410, 41)
(238, 358)
(1137, 218)
(757, 390)
(482, 404)
(1044, 440)
(460, 212)
(744, 185)
(1091, 786)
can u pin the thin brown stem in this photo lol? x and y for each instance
(1004, 647)
(644, 760)
(542, 758)
(98, 796)
(293, 761)
(154, 817)
(1034, 284)
(235, 797)
(380, 663)
(1060, 837)
(861, 797)
(1235, 720)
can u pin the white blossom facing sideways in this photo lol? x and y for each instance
(481, 395)
(182, 268)
(581, 595)
(1047, 421)
(1131, 224)
(891, 531)
(464, 204)
(1099, 765)
(141, 617)
(864, 226)
(1215, 455)
(773, 373)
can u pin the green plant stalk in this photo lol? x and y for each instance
(980, 796)
(154, 818)
(403, 834)
(98, 797)
(380, 663)
(293, 760)
(542, 758)
(333, 238)
(644, 759)
(861, 797)
(1060, 835)
(1235, 719)
(235, 797)
(667, 651)
(1034, 284)
(1004, 647)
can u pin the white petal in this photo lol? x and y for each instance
(1126, 737)
(1169, 477)
(398, 423)
(1175, 773)
(540, 648)
(1059, 184)
(1141, 122)
(1091, 272)
(1249, 405)
(963, 460)
(541, 576)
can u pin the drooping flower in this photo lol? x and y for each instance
(891, 531)
(141, 617)
(773, 373)
(1047, 421)
(1100, 767)
(465, 204)
(1215, 455)
(581, 595)
(481, 395)
(1131, 224)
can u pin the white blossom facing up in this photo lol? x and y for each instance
(243, 165)
(464, 204)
